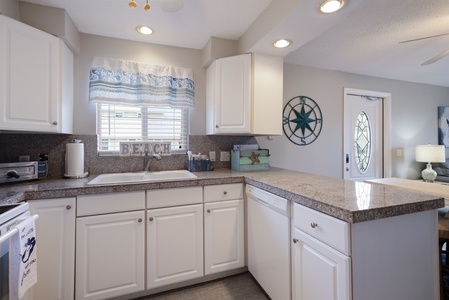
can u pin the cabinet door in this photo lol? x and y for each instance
(233, 94)
(110, 258)
(174, 244)
(268, 86)
(319, 271)
(223, 236)
(55, 235)
(29, 77)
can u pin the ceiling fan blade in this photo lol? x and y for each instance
(424, 38)
(171, 5)
(436, 58)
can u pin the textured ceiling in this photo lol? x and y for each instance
(367, 42)
(190, 27)
(363, 38)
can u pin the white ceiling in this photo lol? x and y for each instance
(363, 38)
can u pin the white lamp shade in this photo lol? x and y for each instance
(430, 153)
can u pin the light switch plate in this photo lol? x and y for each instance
(212, 155)
(225, 156)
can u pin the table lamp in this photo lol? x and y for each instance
(430, 154)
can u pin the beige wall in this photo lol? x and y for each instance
(414, 120)
(91, 46)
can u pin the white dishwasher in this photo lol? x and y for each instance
(269, 242)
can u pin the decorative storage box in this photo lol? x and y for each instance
(250, 160)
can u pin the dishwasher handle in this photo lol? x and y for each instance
(262, 202)
(276, 203)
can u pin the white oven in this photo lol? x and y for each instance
(10, 216)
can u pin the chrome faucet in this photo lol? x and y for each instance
(148, 158)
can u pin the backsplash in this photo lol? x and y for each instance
(14, 145)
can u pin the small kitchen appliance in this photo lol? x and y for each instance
(20, 171)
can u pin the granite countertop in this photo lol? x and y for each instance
(346, 200)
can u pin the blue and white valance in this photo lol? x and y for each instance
(116, 81)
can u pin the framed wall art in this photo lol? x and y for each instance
(443, 125)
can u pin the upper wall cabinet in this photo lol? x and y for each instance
(244, 95)
(36, 80)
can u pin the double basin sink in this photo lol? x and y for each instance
(141, 177)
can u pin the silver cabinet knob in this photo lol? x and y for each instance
(295, 241)
(68, 207)
(55, 123)
(313, 224)
(208, 211)
(151, 219)
(225, 193)
(139, 220)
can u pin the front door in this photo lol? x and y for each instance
(363, 134)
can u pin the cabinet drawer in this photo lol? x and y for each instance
(222, 192)
(174, 197)
(110, 203)
(327, 229)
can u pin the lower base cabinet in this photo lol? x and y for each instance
(320, 272)
(388, 258)
(321, 261)
(224, 237)
(55, 235)
(110, 255)
(174, 244)
(124, 246)
(110, 245)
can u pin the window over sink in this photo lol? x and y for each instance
(121, 123)
(140, 102)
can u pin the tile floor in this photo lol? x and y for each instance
(236, 287)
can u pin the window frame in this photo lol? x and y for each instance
(144, 113)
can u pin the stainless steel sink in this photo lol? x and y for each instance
(141, 177)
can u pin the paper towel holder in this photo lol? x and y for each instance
(75, 176)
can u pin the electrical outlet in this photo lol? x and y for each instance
(225, 155)
(212, 155)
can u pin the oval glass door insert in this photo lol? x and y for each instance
(362, 142)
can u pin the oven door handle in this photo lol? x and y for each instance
(13, 231)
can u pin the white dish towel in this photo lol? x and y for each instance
(23, 259)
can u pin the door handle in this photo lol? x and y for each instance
(347, 158)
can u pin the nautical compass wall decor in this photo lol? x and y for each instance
(302, 120)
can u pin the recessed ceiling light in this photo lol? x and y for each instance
(330, 6)
(281, 43)
(144, 30)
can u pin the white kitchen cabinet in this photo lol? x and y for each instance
(110, 245)
(174, 235)
(174, 244)
(320, 271)
(370, 260)
(224, 232)
(55, 235)
(244, 95)
(36, 80)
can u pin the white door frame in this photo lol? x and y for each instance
(386, 121)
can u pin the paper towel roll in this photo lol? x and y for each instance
(74, 159)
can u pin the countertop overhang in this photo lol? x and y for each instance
(346, 200)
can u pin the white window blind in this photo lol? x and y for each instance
(123, 123)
